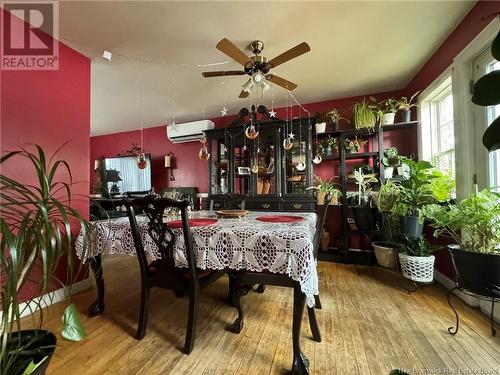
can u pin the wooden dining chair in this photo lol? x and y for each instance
(163, 272)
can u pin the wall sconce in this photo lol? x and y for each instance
(169, 164)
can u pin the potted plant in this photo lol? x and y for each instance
(387, 111)
(322, 188)
(320, 127)
(387, 249)
(365, 114)
(36, 235)
(390, 161)
(425, 185)
(417, 261)
(335, 118)
(364, 214)
(405, 105)
(329, 144)
(354, 145)
(474, 225)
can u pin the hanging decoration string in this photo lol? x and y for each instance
(141, 158)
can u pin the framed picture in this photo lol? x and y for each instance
(243, 170)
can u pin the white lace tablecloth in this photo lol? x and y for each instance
(238, 244)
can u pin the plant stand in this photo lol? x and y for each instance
(492, 299)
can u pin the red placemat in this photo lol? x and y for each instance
(195, 222)
(279, 218)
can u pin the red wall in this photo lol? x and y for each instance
(49, 108)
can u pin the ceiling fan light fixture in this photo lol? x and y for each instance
(265, 86)
(257, 78)
(248, 86)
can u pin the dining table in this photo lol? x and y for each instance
(268, 243)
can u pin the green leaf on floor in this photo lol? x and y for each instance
(33, 366)
(73, 328)
(397, 372)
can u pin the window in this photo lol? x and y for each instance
(437, 141)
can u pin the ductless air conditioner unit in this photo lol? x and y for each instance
(189, 131)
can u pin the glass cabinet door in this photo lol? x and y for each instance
(264, 162)
(219, 168)
(242, 167)
(296, 165)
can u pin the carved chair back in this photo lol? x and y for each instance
(162, 235)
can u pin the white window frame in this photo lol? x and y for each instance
(469, 154)
(424, 130)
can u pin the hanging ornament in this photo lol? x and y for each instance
(203, 154)
(223, 112)
(141, 161)
(255, 168)
(300, 166)
(317, 159)
(291, 135)
(251, 132)
(272, 113)
(287, 143)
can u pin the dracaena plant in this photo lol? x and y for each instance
(36, 223)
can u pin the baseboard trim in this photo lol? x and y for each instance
(52, 298)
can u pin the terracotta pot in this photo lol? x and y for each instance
(324, 241)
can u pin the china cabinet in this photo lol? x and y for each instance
(261, 171)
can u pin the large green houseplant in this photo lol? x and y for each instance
(425, 185)
(36, 223)
(474, 225)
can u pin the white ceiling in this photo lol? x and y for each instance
(356, 48)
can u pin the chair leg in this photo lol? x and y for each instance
(261, 288)
(143, 313)
(300, 361)
(317, 302)
(313, 323)
(192, 316)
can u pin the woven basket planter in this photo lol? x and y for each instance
(419, 269)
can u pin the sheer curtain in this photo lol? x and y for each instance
(133, 178)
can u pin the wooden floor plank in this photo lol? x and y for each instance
(369, 325)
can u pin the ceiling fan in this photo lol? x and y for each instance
(257, 66)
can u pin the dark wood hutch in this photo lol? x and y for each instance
(261, 171)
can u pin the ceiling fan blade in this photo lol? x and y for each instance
(223, 73)
(226, 46)
(292, 53)
(281, 82)
(243, 94)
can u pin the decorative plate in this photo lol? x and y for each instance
(232, 214)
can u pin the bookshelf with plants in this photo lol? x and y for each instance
(358, 154)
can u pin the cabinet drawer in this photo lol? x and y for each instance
(298, 206)
(266, 206)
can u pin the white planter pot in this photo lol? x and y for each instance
(387, 118)
(388, 172)
(419, 269)
(320, 127)
(385, 254)
(404, 171)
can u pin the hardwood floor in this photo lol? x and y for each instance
(369, 326)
